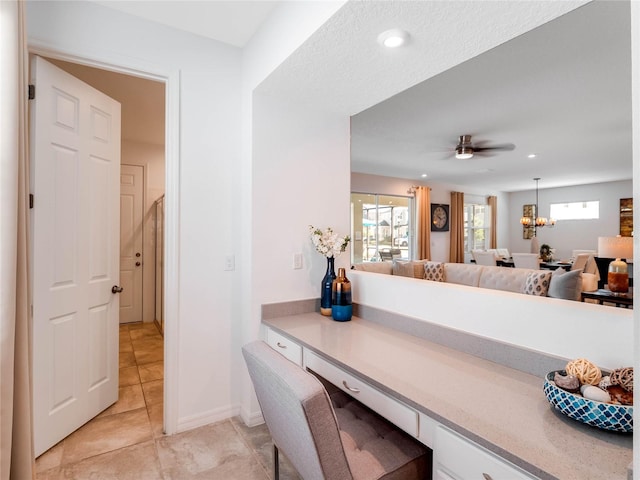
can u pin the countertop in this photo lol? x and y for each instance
(498, 407)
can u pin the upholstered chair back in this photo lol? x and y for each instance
(526, 260)
(299, 414)
(580, 261)
(485, 258)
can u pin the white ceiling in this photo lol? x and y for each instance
(229, 21)
(561, 91)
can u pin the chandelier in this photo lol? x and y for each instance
(535, 220)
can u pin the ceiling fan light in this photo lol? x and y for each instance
(464, 153)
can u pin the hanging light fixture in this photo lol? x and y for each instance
(535, 220)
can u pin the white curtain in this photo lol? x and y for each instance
(16, 431)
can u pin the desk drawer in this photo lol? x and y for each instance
(386, 406)
(456, 458)
(288, 348)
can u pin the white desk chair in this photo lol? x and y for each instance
(587, 263)
(575, 253)
(503, 252)
(580, 261)
(526, 260)
(485, 258)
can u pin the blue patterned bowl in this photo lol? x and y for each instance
(602, 415)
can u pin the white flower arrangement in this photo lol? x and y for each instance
(328, 243)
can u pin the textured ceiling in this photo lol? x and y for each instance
(343, 68)
(562, 90)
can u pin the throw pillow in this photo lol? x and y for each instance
(402, 268)
(537, 283)
(566, 285)
(434, 271)
(413, 269)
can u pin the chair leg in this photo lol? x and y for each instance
(276, 463)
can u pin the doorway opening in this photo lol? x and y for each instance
(141, 358)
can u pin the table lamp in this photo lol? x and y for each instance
(618, 248)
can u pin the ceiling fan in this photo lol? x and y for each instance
(466, 149)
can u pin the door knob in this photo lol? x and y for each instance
(138, 264)
(116, 289)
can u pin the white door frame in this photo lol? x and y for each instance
(171, 79)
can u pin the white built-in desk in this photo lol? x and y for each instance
(479, 417)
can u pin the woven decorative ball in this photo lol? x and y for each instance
(622, 377)
(586, 371)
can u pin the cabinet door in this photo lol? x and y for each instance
(457, 458)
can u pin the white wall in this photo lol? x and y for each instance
(564, 328)
(290, 25)
(568, 235)
(151, 157)
(301, 178)
(440, 193)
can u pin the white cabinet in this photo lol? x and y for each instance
(398, 413)
(288, 348)
(457, 458)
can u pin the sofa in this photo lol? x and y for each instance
(557, 283)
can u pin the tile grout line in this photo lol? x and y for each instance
(253, 451)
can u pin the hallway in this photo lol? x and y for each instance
(125, 442)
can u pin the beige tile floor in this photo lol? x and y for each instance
(126, 442)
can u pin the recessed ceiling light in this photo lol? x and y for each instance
(424, 175)
(532, 155)
(393, 38)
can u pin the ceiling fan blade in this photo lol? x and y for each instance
(502, 147)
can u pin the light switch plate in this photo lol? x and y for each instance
(230, 262)
(297, 261)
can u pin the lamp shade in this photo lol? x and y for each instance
(615, 247)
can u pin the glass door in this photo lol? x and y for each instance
(381, 227)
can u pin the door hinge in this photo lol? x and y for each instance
(31, 200)
(32, 92)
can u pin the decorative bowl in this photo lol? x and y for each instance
(607, 416)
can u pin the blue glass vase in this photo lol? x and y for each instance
(325, 289)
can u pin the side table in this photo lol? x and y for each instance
(603, 295)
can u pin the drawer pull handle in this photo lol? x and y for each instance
(351, 389)
(487, 476)
(280, 345)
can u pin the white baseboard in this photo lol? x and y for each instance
(206, 418)
(251, 419)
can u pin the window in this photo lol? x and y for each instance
(477, 225)
(575, 210)
(381, 227)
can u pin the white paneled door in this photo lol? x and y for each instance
(75, 138)
(131, 255)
